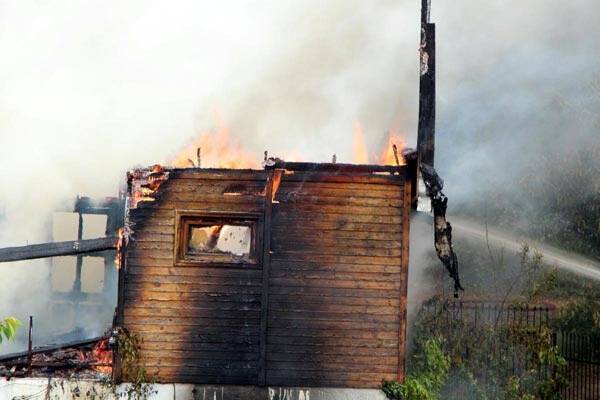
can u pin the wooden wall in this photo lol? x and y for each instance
(332, 290)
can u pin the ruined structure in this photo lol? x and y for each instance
(294, 275)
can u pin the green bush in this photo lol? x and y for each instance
(431, 369)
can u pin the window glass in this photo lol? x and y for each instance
(224, 239)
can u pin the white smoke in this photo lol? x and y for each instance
(89, 89)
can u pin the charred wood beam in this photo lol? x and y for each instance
(57, 364)
(426, 128)
(442, 228)
(273, 178)
(45, 349)
(57, 249)
(332, 167)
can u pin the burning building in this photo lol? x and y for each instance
(292, 275)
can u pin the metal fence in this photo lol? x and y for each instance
(581, 352)
(494, 313)
(583, 358)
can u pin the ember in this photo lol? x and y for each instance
(88, 359)
(145, 183)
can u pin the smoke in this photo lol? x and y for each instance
(88, 90)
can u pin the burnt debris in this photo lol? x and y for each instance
(91, 358)
(442, 228)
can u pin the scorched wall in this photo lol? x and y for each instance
(317, 299)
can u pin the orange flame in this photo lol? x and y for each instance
(360, 155)
(102, 354)
(218, 149)
(387, 157)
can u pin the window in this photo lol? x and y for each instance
(223, 238)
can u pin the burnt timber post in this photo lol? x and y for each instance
(426, 128)
(266, 262)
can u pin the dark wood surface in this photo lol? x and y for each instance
(56, 249)
(329, 309)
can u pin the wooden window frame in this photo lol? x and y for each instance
(186, 218)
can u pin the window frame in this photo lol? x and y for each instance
(186, 218)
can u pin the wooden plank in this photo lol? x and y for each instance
(319, 342)
(390, 253)
(168, 376)
(186, 279)
(404, 283)
(307, 227)
(141, 260)
(330, 367)
(306, 266)
(203, 271)
(329, 349)
(214, 323)
(340, 292)
(288, 183)
(355, 276)
(192, 288)
(222, 374)
(339, 190)
(212, 187)
(325, 358)
(282, 232)
(176, 352)
(56, 249)
(341, 325)
(176, 347)
(218, 174)
(334, 167)
(293, 216)
(308, 209)
(328, 258)
(355, 178)
(195, 305)
(341, 201)
(159, 254)
(206, 324)
(313, 300)
(315, 315)
(293, 306)
(266, 259)
(335, 283)
(132, 311)
(328, 240)
(189, 342)
(198, 297)
(169, 361)
(327, 334)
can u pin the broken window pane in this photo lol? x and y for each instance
(221, 239)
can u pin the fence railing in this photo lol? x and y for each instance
(581, 352)
(583, 357)
(497, 313)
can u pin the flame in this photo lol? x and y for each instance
(102, 354)
(387, 156)
(360, 155)
(218, 149)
